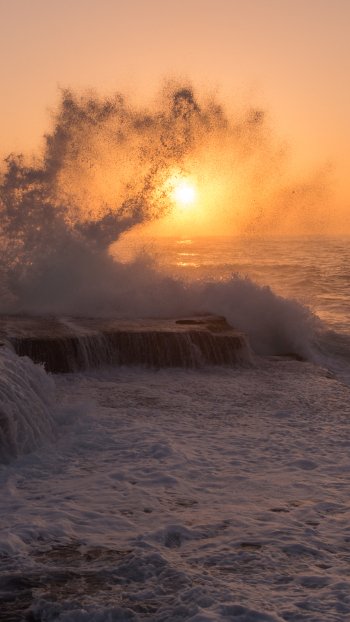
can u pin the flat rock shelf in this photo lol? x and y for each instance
(73, 344)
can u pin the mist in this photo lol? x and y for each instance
(103, 173)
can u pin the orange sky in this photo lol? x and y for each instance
(290, 56)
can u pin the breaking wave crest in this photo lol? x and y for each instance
(102, 173)
(26, 406)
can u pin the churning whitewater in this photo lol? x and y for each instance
(143, 487)
(105, 171)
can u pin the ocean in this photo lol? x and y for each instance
(168, 494)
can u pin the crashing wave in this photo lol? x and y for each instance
(26, 405)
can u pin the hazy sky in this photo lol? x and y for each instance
(291, 56)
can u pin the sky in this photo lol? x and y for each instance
(290, 56)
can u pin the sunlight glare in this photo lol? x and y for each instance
(184, 193)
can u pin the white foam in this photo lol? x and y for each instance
(26, 405)
(192, 495)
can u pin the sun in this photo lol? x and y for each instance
(184, 193)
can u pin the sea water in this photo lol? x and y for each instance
(311, 269)
(204, 494)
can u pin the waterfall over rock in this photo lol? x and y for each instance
(68, 345)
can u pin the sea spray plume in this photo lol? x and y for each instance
(102, 172)
(31, 224)
(100, 168)
(107, 158)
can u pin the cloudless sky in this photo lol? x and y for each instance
(291, 56)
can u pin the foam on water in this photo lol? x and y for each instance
(176, 495)
(184, 495)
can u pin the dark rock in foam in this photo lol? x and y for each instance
(72, 344)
